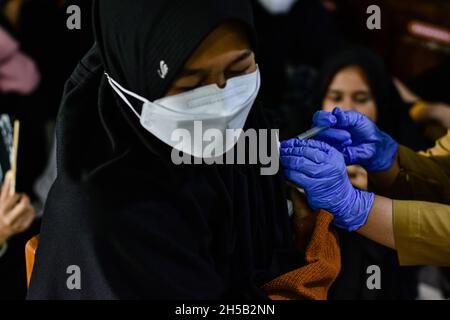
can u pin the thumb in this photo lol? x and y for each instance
(347, 119)
(349, 155)
(324, 118)
(359, 154)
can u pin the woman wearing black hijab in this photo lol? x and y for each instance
(135, 224)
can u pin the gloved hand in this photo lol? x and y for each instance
(358, 138)
(320, 170)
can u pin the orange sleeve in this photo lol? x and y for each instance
(323, 263)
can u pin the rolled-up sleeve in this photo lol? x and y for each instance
(422, 233)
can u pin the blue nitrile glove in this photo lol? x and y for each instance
(358, 138)
(320, 170)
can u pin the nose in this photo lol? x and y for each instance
(222, 83)
(347, 104)
(220, 80)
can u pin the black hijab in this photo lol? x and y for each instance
(136, 225)
(392, 111)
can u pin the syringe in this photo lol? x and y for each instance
(312, 132)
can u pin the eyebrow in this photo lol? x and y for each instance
(242, 57)
(202, 73)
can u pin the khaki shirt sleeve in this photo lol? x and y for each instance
(423, 176)
(441, 150)
(422, 233)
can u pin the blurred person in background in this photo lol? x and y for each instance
(355, 79)
(19, 77)
(423, 111)
(37, 55)
(432, 85)
(40, 28)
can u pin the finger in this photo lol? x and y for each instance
(359, 154)
(335, 137)
(313, 154)
(6, 187)
(10, 203)
(337, 110)
(302, 165)
(347, 119)
(297, 178)
(19, 210)
(324, 118)
(294, 143)
(24, 222)
(291, 143)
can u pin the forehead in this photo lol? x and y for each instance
(227, 39)
(351, 77)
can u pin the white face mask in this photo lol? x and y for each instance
(215, 108)
(277, 6)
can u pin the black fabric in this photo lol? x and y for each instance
(393, 115)
(55, 49)
(307, 35)
(432, 85)
(137, 225)
(13, 277)
(357, 254)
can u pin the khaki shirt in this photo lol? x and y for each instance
(422, 226)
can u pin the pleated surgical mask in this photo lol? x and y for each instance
(216, 110)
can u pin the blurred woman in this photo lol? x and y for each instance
(356, 79)
(19, 77)
(39, 26)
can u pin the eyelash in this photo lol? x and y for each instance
(336, 99)
(230, 74)
(360, 100)
(237, 73)
(182, 89)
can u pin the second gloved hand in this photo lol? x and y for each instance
(320, 170)
(358, 138)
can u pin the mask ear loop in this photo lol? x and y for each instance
(118, 89)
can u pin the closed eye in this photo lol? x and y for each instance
(361, 97)
(335, 96)
(236, 73)
(189, 88)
